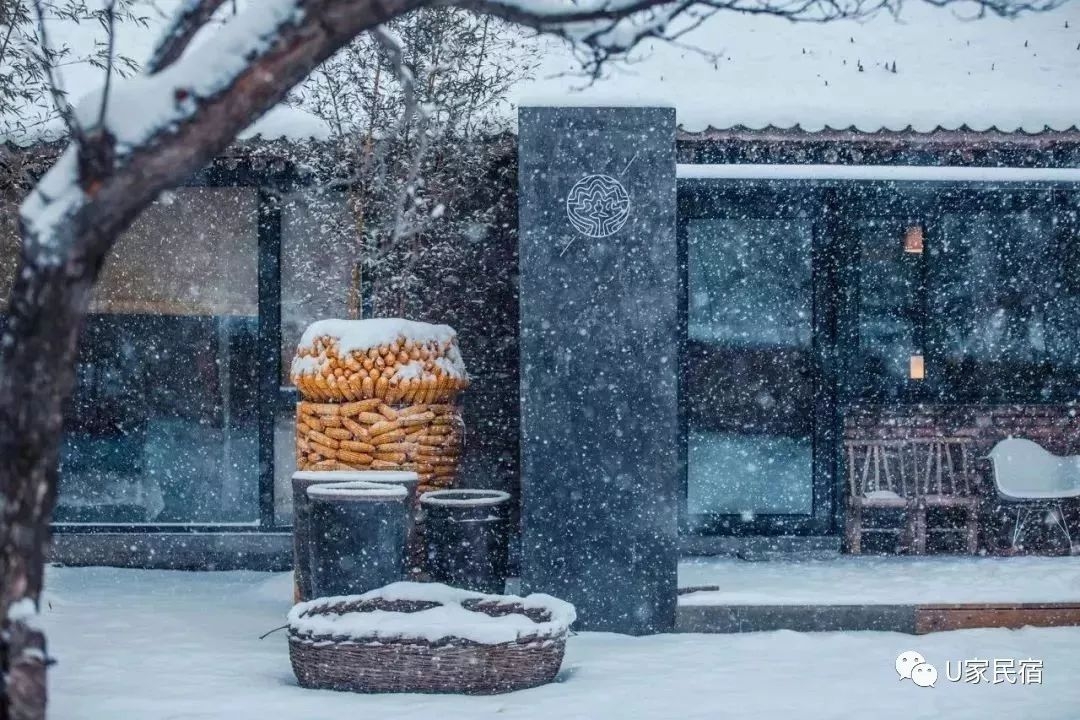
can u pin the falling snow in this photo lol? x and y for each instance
(712, 311)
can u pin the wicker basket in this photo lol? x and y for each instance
(371, 435)
(332, 645)
(400, 362)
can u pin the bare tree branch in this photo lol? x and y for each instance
(186, 23)
(52, 77)
(391, 45)
(161, 128)
(604, 29)
(110, 14)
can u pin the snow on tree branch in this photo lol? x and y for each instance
(177, 96)
(189, 18)
(191, 109)
(176, 93)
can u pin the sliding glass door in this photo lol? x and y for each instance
(751, 381)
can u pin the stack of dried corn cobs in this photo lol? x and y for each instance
(380, 395)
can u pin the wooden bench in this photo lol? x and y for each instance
(913, 476)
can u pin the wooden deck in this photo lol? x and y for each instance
(912, 619)
(914, 595)
(933, 618)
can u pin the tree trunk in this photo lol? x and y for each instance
(51, 293)
(45, 318)
(56, 273)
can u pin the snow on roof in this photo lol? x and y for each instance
(290, 123)
(81, 79)
(930, 68)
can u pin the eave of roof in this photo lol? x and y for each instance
(908, 135)
(959, 147)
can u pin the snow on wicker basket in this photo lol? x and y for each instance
(395, 360)
(428, 637)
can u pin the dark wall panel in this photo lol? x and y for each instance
(599, 283)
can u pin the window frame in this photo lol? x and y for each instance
(697, 200)
(272, 178)
(927, 206)
(836, 319)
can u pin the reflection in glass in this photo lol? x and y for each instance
(1005, 301)
(162, 427)
(888, 307)
(749, 383)
(318, 255)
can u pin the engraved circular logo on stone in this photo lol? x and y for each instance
(598, 205)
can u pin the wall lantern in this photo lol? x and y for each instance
(913, 239)
(916, 368)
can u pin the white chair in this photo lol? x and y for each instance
(1034, 481)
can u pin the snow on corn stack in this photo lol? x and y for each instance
(380, 395)
(395, 360)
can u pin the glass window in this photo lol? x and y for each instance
(985, 297)
(319, 255)
(889, 310)
(1006, 309)
(318, 265)
(749, 384)
(744, 275)
(163, 423)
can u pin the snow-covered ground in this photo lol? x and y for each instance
(146, 644)
(898, 580)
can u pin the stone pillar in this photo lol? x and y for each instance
(599, 336)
